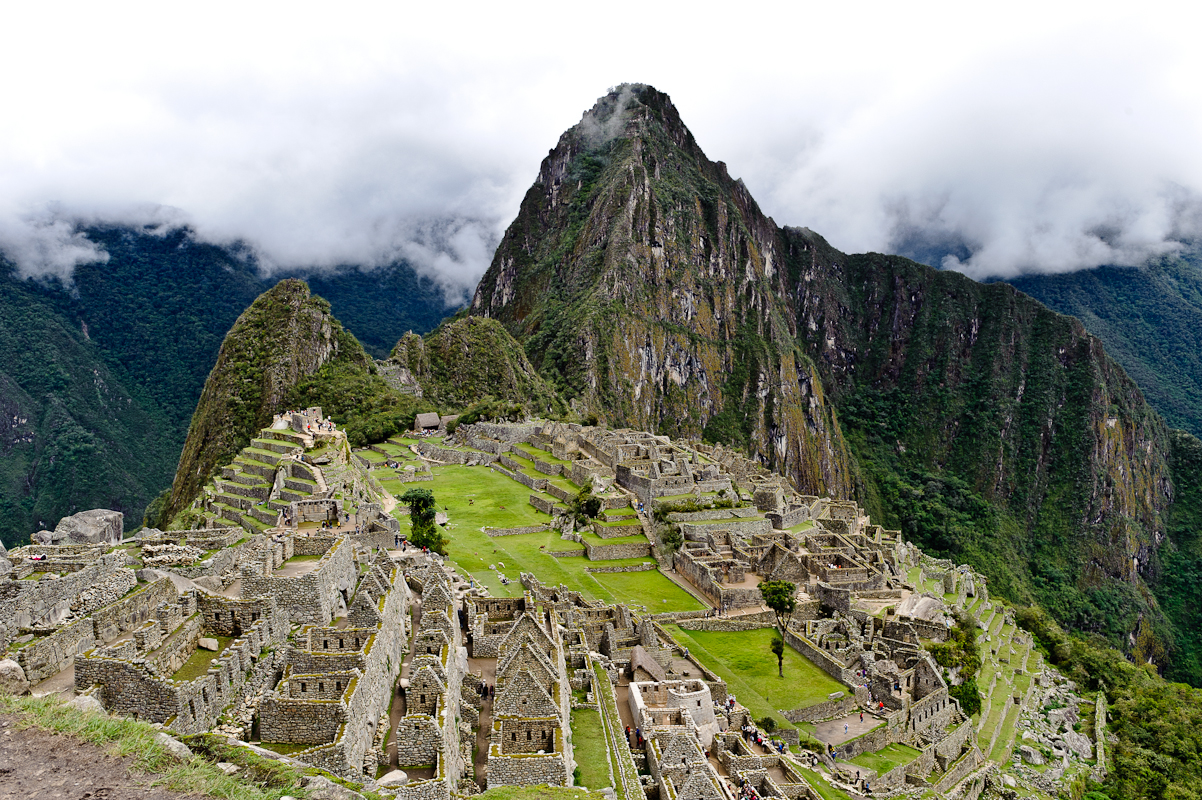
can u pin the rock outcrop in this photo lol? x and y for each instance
(286, 335)
(98, 526)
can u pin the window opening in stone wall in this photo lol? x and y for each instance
(304, 687)
(325, 645)
(321, 686)
(338, 684)
(423, 698)
(528, 736)
(340, 644)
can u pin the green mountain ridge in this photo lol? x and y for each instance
(646, 285)
(147, 323)
(1150, 319)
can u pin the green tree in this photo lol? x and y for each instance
(584, 506)
(778, 650)
(781, 597)
(423, 532)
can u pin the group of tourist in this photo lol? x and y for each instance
(637, 739)
(486, 691)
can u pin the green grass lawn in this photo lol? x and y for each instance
(592, 756)
(542, 455)
(298, 559)
(476, 497)
(886, 758)
(743, 659)
(199, 663)
(646, 589)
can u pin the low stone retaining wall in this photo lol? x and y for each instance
(828, 709)
(722, 624)
(447, 455)
(51, 654)
(567, 553)
(628, 568)
(547, 506)
(516, 531)
(613, 552)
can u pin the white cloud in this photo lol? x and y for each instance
(1030, 141)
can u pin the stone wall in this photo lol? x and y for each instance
(49, 655)
(828, 709)
(516, 531)
(448, 455)
(317, 595)
(821, 658)
(546, 506)
(45, 603)
(613, 552)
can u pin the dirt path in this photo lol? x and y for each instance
(37, 765)
(487, 667)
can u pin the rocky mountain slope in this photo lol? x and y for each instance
(646, 284)
(464, 360)
(286, 335)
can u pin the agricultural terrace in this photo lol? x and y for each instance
(478, 497)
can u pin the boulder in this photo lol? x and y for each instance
(98, 526)
(394, 778)
(149, 574)
(1079, 743)
(85, 702)
(12, 678)
(322, 788)
(173, 746)
(1030, 755)
(228, 768)
(5, 565)
(208, 644)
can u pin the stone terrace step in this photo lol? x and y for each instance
(244, 478)
(228, 513)
(274, 445)
(258, 491)
(263, 456)
(292, 496)
(263, 514)
(249, 464)
(292, 437)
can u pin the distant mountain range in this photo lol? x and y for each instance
(99, 380)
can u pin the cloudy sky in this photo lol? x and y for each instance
(1039, 137)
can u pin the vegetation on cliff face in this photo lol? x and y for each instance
(74, 434)
(467, 359)
(1150, 320)
(285, 336)
(645, 283)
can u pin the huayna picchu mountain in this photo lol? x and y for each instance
(647, 285)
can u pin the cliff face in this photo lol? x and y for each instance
(285, 336)
(645, 283)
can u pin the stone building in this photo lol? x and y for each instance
(337, 681)
(531, 724)
(137, 677)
